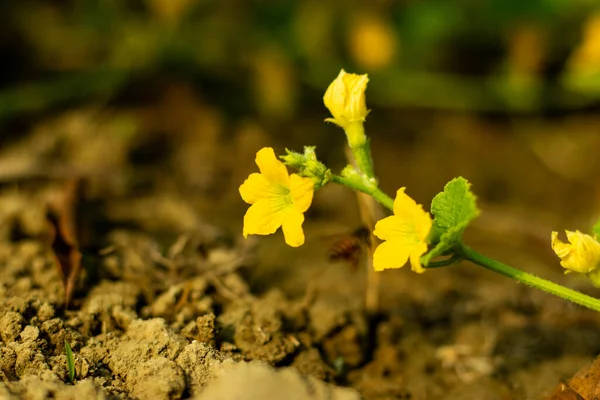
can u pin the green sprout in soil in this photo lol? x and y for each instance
(410, 235)
(70, 362)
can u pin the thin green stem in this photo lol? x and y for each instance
(528, 279)
(444, 263)
(361, 150)
(374, 192)
(364, 162)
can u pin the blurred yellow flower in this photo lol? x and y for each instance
(581, 254)
(276, 198)
(585, 57)
(372, 42)
(345, 99)
(405, 234)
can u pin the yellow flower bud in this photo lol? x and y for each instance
(581, 254)
(345, 99)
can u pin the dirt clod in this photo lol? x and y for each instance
(143, 341)
(10, 326)
(158, 378)
(201, 363)
(255, 381)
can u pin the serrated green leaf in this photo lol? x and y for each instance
(453, 210)
(455, 205)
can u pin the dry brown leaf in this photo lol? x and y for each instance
(62, 219)
(584, 385)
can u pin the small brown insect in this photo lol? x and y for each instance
(350, 248)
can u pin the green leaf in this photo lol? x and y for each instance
(455, 205)
(70, 362)
(453, 210)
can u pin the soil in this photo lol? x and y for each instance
(172, 306)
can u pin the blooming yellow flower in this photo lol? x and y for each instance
(276, 198)
(345, 99)
(405, 234)
(581, 254)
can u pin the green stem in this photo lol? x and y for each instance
(374, 192)
(444, 263)
(362, 155)
(528, 279)
(361, 150)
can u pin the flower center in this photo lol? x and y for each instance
(282, 193)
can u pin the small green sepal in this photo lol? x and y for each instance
(596, 230)
(308, 165)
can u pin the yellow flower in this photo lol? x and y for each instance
(405, 234)
(345, 99)
(276, 198)
(581, 254)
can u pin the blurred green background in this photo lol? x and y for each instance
(267, 57)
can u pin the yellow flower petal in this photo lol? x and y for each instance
(415, 257)
(390, 254)
(408, 209)
(334, 98)
(582, 254)
(356, 108)
(301, 190)
(561, 249)
(270, 167)
(254, 188)
(393, 227)
(403, 202)
(263, 217)
(292, 228)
